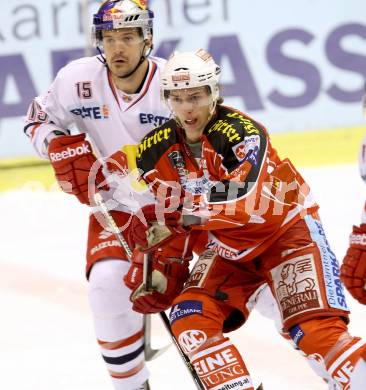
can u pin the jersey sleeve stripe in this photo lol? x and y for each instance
(26, 131)
(32, 132)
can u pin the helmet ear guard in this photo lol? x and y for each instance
(117, 14)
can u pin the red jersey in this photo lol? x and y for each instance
(233, 181)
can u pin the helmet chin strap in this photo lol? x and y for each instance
(141, 60)
(213, 108)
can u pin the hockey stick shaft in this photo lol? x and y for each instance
(112, 224)
(147, 281)
(149, 352)
(183, 356)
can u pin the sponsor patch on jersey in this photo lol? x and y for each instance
(297, 286)
(333, 285)
(220, 368)
(154, 139)
(104, 234)
(191, 340)
(197, 185)
(251, 142)
(200, 270)
(222, 126)
(248, 124)
(219, 248)
(245, 148)
(239, 151)
(103, 245)
(248, 149)
(156, 120)
(94, 112)
(252, 145)
(296, 334)
(185, 309)
(252, 156)
(191, 183)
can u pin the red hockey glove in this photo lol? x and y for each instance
(72, 158)
(167, 279)
(117, 163)
(353, 269)
(151, 228)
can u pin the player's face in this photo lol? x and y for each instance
(192, 108)
(122, 49)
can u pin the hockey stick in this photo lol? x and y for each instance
(147, 282)
(150, 353)
(164, 318)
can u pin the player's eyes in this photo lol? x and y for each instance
(176, 99)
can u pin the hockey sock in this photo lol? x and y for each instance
(220, 367)
(328, 341)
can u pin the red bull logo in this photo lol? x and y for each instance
(140, 3)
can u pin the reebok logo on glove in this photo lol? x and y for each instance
(72, 159)
(134, 275)
(70, 152)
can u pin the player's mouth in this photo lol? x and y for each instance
(191, 122)
(119, 61)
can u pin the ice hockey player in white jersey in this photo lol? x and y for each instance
(111, 99)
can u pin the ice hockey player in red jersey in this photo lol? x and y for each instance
(213, 168)
(112, 100)
(353, 269)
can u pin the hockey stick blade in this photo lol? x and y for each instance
(150, 353)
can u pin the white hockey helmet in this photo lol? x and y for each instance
(116, 14)
(190, 70)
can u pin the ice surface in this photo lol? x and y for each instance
(47, 339)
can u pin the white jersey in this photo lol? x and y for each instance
(84, 96)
